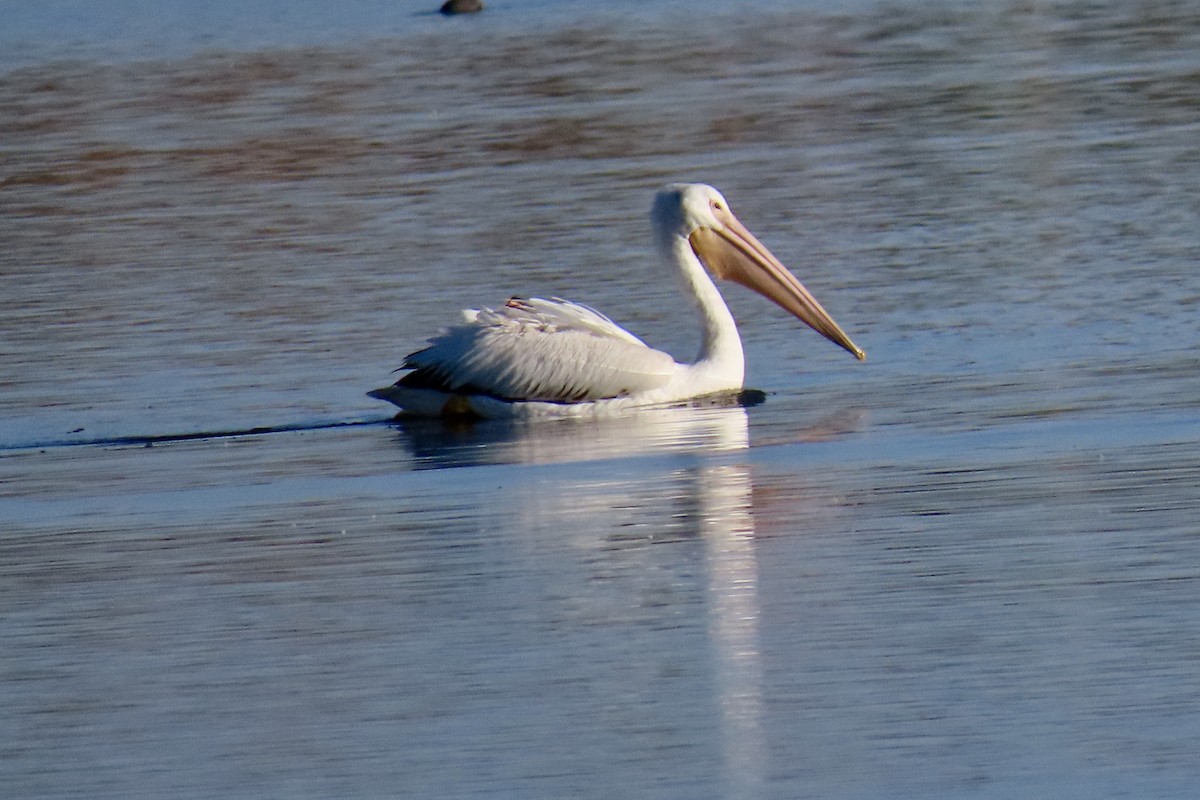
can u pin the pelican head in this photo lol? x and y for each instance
(699, 215)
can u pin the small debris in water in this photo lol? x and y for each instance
(461, 7)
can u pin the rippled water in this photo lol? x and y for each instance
(967, 567)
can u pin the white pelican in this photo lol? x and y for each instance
(534, 357)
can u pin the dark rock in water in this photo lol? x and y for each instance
(461, 7)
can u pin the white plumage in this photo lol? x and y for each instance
(537, 357)
(548, 350)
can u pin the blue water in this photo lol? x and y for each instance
(131, 30)
(964, 568)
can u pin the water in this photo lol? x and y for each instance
(967, 567)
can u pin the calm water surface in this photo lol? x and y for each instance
(969, 567)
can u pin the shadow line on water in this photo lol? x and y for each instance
(744, 399)
(167, 438)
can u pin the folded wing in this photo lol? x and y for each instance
(535, 349)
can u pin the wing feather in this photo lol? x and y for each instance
(535, 349)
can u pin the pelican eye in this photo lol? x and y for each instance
(717, 206)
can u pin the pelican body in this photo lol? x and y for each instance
(533, 357)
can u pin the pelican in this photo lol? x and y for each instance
(552, 358)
